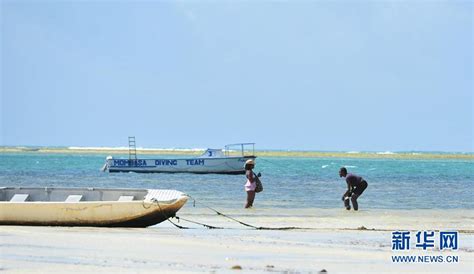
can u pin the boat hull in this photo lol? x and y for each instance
(226, 165)
(138, 213)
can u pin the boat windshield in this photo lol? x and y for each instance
(240, 149)
(212, 153)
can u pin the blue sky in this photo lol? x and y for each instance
(312, 75)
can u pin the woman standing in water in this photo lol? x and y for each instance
(251, 184)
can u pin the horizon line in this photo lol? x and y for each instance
(260, 149)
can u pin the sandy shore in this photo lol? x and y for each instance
(334, 240)
(259, 153)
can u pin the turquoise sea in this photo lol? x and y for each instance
(288, 182)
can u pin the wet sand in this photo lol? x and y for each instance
(335, 240)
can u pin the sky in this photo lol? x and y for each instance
(296, 75)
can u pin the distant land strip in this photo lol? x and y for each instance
(258, 153)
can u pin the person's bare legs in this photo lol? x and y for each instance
(354, 197)
(357, 193)
(346, 202)
(250, 198)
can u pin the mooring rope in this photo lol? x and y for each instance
(153, 200)
(273, 163)
(362, 228)
(198, 223)
(243, 223)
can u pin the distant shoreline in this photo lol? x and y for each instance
(258, 153)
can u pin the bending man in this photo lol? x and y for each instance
(355, 187)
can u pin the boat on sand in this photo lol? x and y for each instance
(88, 206)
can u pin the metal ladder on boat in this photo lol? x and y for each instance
(132, 149)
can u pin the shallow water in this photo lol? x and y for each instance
(288, 182)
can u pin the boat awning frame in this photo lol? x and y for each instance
(243, 147)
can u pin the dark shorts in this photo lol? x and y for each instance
(360, 189)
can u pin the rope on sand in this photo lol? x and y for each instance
(168, 218)
(235, 220)
(164, 214)
(362, 228)
(198, 223)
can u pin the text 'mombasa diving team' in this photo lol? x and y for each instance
(355, 186)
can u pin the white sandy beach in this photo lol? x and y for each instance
(333, 242)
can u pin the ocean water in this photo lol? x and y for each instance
(288, 182)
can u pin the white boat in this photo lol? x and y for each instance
(220, 161)
(88, 206)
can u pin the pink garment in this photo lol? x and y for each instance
(250, 186)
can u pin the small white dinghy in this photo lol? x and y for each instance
(88, 206)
